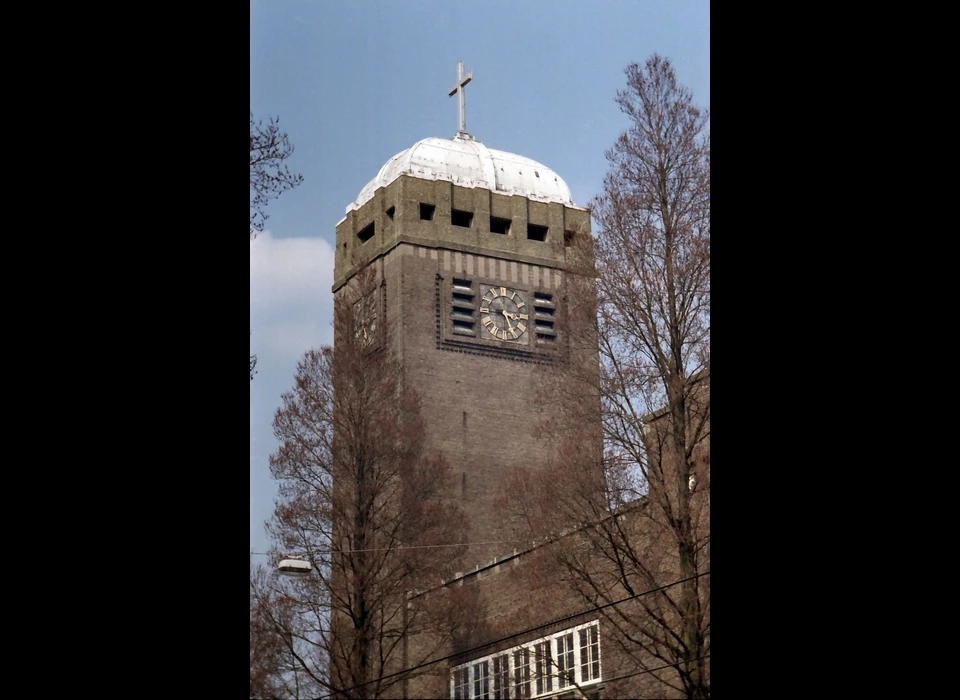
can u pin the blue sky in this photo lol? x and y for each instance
(356, 81)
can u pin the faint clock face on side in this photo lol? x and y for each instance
(504, 314)
(365, 318)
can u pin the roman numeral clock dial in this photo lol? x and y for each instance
(504, 314)
(365, 318)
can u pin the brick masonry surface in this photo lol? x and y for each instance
(481, 399)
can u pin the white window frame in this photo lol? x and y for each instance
(551, 640)
(544, 669)
(580, 649)
(500, 672)
(565, 652)
(481, 678)
(461, 689)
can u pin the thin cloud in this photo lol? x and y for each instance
(291, 308)
(291, 304)
(289, 270)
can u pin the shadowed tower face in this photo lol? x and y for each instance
(473, 258)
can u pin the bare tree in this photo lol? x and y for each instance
(265, 646)
(270, 176)
(274, 658)
(643, 508)
(360, 500)
(253, 365)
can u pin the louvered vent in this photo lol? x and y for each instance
(463, 309)
(545, 316)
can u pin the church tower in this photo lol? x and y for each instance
(472, 249)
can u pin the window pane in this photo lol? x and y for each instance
(481, 680)
(501, 677)
(461, 683)
(544, 677)
(565, 659)
(595, 651)
(521, 673)
(589, 654)
(525, 672)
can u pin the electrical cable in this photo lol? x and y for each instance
(390, 549)
(523, 633)
(651, 670)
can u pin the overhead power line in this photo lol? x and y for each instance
(651, 670)
(390, 549)
(527, 632)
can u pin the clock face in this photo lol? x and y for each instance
(504, 314)
(365, 318)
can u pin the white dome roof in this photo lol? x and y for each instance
(468, 163)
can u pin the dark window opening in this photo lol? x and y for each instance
(536, 232)
(461, 218)
(568, 237)
(426, 211)
(366, 233)
(390, 212)
(498, 225)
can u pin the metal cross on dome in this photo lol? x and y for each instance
(458, 90)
